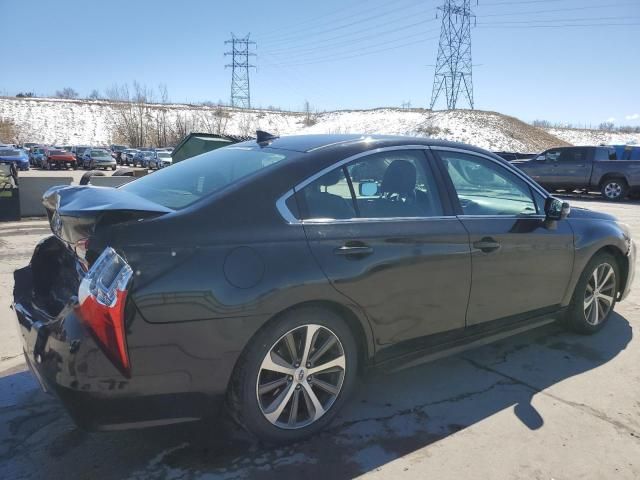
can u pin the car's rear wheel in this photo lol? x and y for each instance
(294, 375)
(595, 295)
(614, 189)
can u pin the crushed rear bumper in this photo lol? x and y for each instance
(63, 356)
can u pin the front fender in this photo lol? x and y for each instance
(591, 236)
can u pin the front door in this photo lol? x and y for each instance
(378, 228)
(521, 264)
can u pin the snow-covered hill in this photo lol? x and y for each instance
(81, 121)
(577, 136)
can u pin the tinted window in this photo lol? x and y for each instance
(10, 153)
(486, 188)
(605, 153)
(197, 177)
(329, 197)
(394, 184)
(567, 155)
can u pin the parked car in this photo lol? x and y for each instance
(58, 158)
(160, 159)
(16, 156)
(78, 151)
(262, 275)
(584, 168)
(29, 145)
(142, 158)
(94, 158)
(127, 156)
(36, 155)
(116, 151)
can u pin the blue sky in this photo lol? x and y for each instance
(530, 62)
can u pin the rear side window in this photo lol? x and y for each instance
(192, 179)
(393, 184)
(604, 153)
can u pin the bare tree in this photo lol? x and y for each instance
(606, 126)
(215, 120)
(94, 95)
(67, 93)
(309, 118)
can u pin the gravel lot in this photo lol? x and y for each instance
(545, 404)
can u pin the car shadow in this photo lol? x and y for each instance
(390, 416)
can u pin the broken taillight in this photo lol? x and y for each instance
(101, 302)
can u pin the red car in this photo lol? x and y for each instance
(58, 158)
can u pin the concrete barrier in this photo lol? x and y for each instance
(110, 181)
(31, 191)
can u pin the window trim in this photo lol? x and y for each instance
(454, 195)
(443, 182)
(291, 219)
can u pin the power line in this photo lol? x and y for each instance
(315, 18)
(567, 25)
(240, 91)
(331, 58)
(569, 9)
(310, 32)
(354, 41)
(558, 20)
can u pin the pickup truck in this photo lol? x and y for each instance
(584, 168)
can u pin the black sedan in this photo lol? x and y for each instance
(267, 275)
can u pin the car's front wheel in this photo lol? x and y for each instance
(294, 375)
(595, 295)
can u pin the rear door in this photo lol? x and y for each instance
(569, 167)
(521, 264)
(387, 239)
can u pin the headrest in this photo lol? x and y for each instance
(400, 178)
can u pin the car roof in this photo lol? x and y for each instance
(363, 142)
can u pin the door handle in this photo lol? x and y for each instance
(487, 245)
(354, 250)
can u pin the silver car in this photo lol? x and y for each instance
(98, 158)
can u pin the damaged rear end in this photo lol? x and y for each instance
(72, 300)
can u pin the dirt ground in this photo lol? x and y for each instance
(545, 404)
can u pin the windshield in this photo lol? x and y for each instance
(185, 182)
(100, 153)
(57, 152)
(10, 153)
(164, 155)
(147, 154)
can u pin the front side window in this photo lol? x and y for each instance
(392, 184)
(486, 188)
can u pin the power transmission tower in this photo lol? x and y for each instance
(240, 91)
(453, 67)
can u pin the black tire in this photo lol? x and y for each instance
(576, 318)
(242, 397)
(614, 189)
(86, 178)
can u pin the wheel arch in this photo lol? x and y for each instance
(611, 176)
(623, 264)
(357, 325)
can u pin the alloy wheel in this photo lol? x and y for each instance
(613, 190)
(599, 294)
(301, 376)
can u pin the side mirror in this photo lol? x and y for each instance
(556, 209)
(368, 189)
